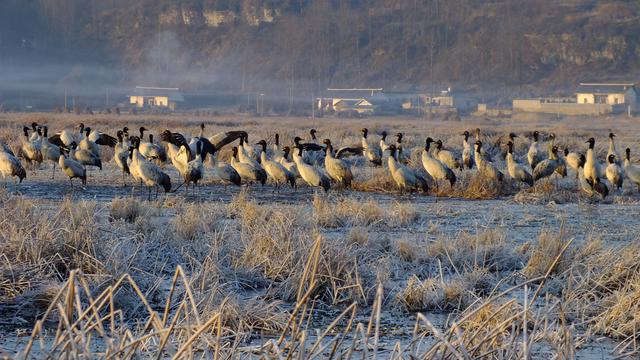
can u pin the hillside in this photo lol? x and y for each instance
(304, 46)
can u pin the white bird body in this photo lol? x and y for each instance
(436, 169)
(486, 168)
(383, 142)
(405, 178)
(572, 159)
(371, 152)
(591, 171)
(179, 157)
(289, 165)
(631, 170)
(311, 175)
(11, 166)
(274, 169)
(149, 173)
(31, 150)
(195, 169)
(87, 144)
(588, 186)
(584, 185)
(467, 152)
(614, 172)
(246, 171)
(85, 157)
(276, 151)
(448, 158)
(49, 151)
(225, 172)
(547, 167)
(612, 149)
(517, 171)
(72, 168)
(338, 169)
(67, 137)
(533, 155)
(121, 155)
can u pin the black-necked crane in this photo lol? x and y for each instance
(35, 135)
(371, 151)
(309, 150)
(178, 150)
(383, 142)
(278, 174)
(312, 176)
(289, 165)
(405, 178)
(447, 157)
(246, 151)
(591, 187)
(224, 171)
(486, 168)
(467, 151)
(504, 147)
(10, 166)
(572, 159)
(400, 155)
(338, 169)
(517, 171)
(533, 155)
(30, 150)
(276, 151)
(149, 173)
(247, 171)
(120, 155)
(591, 165)
(483, 152)
(631, 170)
(434, 167)
(84, 157)
(195, 169)
(547, 167)
(87, 144)
(153, 152)
(614, 172)
(66, 137)
(72, 168)
(50, 152)
(612, 149)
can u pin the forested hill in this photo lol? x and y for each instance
(307, 45)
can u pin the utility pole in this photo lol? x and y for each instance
(65, 99)
(107, 99)
(431, 77)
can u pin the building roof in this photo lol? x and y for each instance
(350, 93)
(593, 88)
(172, 93)
(353, 103)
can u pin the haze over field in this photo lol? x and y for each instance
(488, 47)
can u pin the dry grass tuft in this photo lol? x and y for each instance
(406, 250)
(127, 209)
(451, 294)
(488, 250)
(544, 255)
(346, 211)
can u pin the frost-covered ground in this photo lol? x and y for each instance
(267, 273)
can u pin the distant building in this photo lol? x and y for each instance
(155, 97)
(611, 94)
(351, 101)
(591, 99)
(445, 101)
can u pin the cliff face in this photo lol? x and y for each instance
(307, 45)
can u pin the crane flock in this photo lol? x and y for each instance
(317, 164)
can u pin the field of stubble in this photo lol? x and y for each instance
(478, 271)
